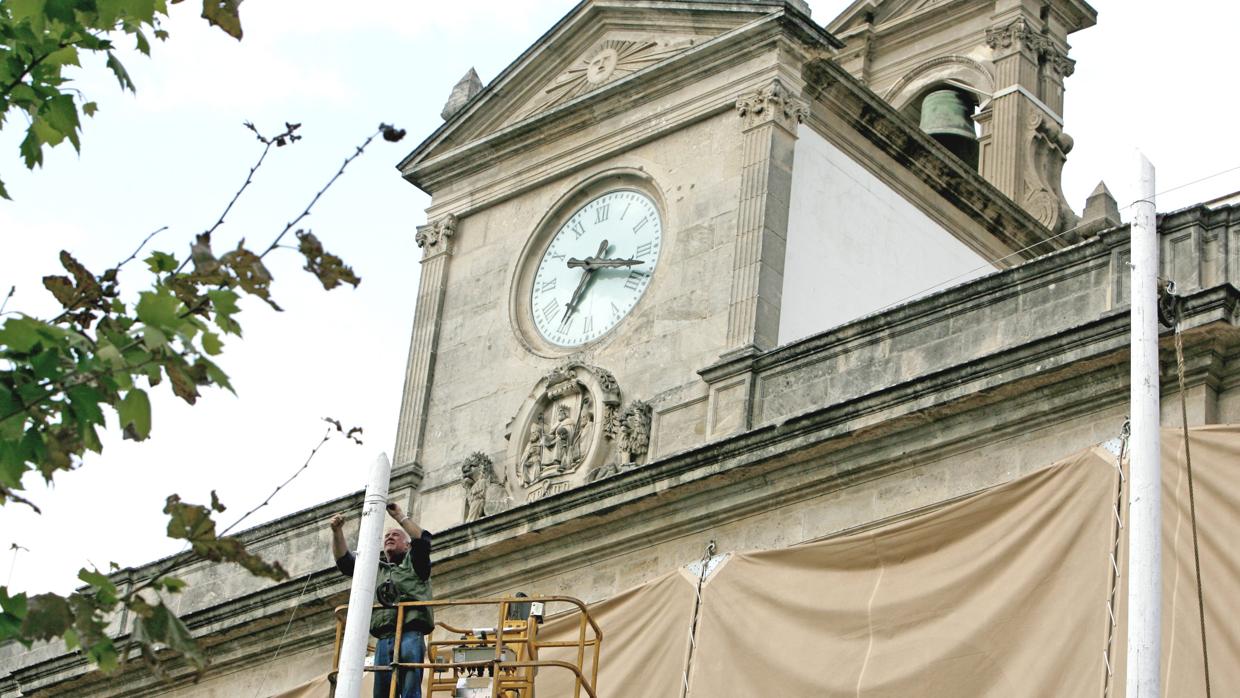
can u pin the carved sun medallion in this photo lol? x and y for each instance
(610, 60)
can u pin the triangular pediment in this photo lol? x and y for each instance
(595, 46)
(615, 56)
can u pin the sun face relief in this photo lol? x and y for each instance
(596, 268)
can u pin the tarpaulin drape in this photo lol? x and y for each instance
(1001, 593)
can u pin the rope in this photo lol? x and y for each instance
(1192, 500)
(1124, 432)
(697, 605)
(287, 627)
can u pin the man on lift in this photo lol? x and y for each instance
(404, 575)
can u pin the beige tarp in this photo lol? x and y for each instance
(1216, 482)
(1002, 593)
(999, 594)
(645, 641)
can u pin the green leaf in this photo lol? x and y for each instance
(20, 334)
(224, 302)
(223, 14)
(193, 523)
(12, 611)
(159, 308)
(61, 114)
(211, 343)
(48, 616)
(161, 262)
(122, 75)
(171, 584)
(90, 108)
(153, 338)
(31, 149)
(134, 411)
(65, 56)
(26, 9)
(157, 626)
(104, 591)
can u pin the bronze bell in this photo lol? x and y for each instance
(946, 115)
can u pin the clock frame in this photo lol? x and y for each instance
(547, 316)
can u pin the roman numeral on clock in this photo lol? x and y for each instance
(577, 228)
(547, 286)
(634, 281)
(600, 213)
(588, 326)
(640, 224)
(643, 250)
(549, 309)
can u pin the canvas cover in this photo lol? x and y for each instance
(1001, 593)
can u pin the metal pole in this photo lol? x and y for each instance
(365, 570)
(1144, 494)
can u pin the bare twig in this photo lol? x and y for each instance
(145, 240)
(360, 149)
(327, 435)
(176, 560)
(12, 290)
(249, 179)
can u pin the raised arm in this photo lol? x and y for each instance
(407, 523)
(339, 547)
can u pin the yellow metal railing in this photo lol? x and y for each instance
(513, 667)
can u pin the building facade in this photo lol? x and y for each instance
(693, 272)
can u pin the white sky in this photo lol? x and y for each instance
(1147, 75)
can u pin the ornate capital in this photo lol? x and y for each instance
(772, 103)
(436, 236)
(1019, 34)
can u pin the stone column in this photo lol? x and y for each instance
(770, 116)
(435, 239)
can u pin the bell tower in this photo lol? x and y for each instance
(984, 77)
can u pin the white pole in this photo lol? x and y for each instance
(365, 570)
(1144, 493)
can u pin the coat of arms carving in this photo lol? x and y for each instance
(567, 431)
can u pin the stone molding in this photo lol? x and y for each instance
(436, 237)
(771, 103)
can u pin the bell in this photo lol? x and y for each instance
(946, 115)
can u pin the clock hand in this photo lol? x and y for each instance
(571, 305)
(593, 263)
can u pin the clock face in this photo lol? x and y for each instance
(596, 268)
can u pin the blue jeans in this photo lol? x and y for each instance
(412, 649)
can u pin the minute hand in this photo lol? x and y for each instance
(591, 263)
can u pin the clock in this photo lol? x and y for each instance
(596, 268)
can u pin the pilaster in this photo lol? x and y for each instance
(435, 239)
(770, 116)
(1025, 146)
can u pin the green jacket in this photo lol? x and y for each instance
(411, 585)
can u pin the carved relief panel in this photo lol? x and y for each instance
(572, 430)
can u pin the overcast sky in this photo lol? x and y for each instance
(1152, 74)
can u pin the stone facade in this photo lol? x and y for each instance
(588, 471)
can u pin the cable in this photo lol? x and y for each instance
(280, 646)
